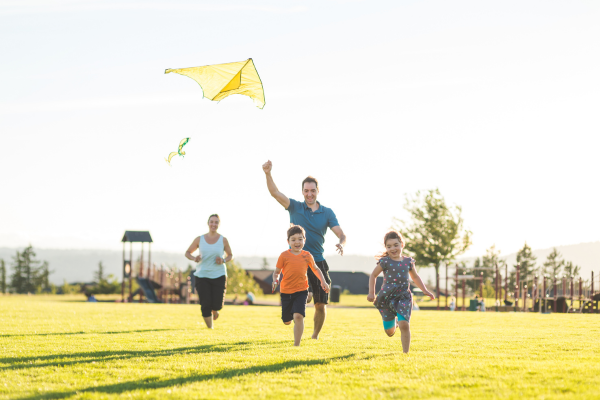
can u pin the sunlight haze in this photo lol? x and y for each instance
(496, 108)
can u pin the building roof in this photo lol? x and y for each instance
(137, 236)
(262, 274)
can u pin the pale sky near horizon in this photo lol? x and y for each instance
(495, 103)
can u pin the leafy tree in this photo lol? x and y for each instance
(110, 285)
(104, 284)
(66, 288)
(238, 281)
(489, 290)
(435, 233)
(554, 264)
(2, 276)
(571, 270)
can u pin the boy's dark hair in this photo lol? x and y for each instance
(213, 215)
(310, 179)
(295, 229)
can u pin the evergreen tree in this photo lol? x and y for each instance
(27, 276)
(99, 275)
(42, 281)
(435, 233)
(265, 263)
(571, 270)
(490, 260)
(2, 276)
(17, 279)
(527, 269)
(554, 264)
(473, 284)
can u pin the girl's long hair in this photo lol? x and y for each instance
(393, 234)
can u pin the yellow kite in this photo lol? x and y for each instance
(221, 80)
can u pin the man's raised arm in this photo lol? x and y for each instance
(280, 197)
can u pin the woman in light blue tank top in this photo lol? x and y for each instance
(211, 271)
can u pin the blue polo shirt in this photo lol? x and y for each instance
(314, 223)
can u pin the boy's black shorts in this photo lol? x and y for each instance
(315, 284)
(293, 303)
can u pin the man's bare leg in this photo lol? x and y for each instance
(320, 314)
(404, 335)
(209, 322)
(298, 328)
(215, 315)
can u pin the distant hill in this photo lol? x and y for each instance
(79, 265)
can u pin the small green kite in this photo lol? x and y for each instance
(179, 150)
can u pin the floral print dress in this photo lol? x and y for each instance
(395, 296)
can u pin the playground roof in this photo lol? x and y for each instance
(137, 236)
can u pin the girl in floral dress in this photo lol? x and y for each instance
(394, 300)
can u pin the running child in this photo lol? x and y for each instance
(294, 264)
(394, 300)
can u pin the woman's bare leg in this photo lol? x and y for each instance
(215, 315)
(209, 322)
(298, 328)
(390, 332)
(405, 335)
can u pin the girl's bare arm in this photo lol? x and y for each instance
(417, 280)
(372, 279)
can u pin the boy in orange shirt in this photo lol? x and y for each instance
(294, 264)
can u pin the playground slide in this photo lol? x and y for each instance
(148, 287)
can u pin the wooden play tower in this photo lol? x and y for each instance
(134, 237)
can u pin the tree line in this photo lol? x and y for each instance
(435, 235)
(30, 275)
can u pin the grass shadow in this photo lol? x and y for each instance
(109, 355)
(156, 383)
(89, 333)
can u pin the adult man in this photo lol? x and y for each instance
(315, 219)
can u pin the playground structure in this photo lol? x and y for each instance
(542, 294)
(156, 285)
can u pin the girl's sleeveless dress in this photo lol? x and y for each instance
(395, 296)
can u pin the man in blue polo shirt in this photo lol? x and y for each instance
(315, 219)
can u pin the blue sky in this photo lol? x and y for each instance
(493, 102)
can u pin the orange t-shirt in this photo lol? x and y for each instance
(294, 269)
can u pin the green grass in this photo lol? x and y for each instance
(52, 348)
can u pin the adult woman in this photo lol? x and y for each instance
(211, 272)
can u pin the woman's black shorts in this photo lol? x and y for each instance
(211, 293)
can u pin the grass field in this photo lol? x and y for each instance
(53, 348)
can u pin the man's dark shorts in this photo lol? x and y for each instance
(315, 284)
(293, 303)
